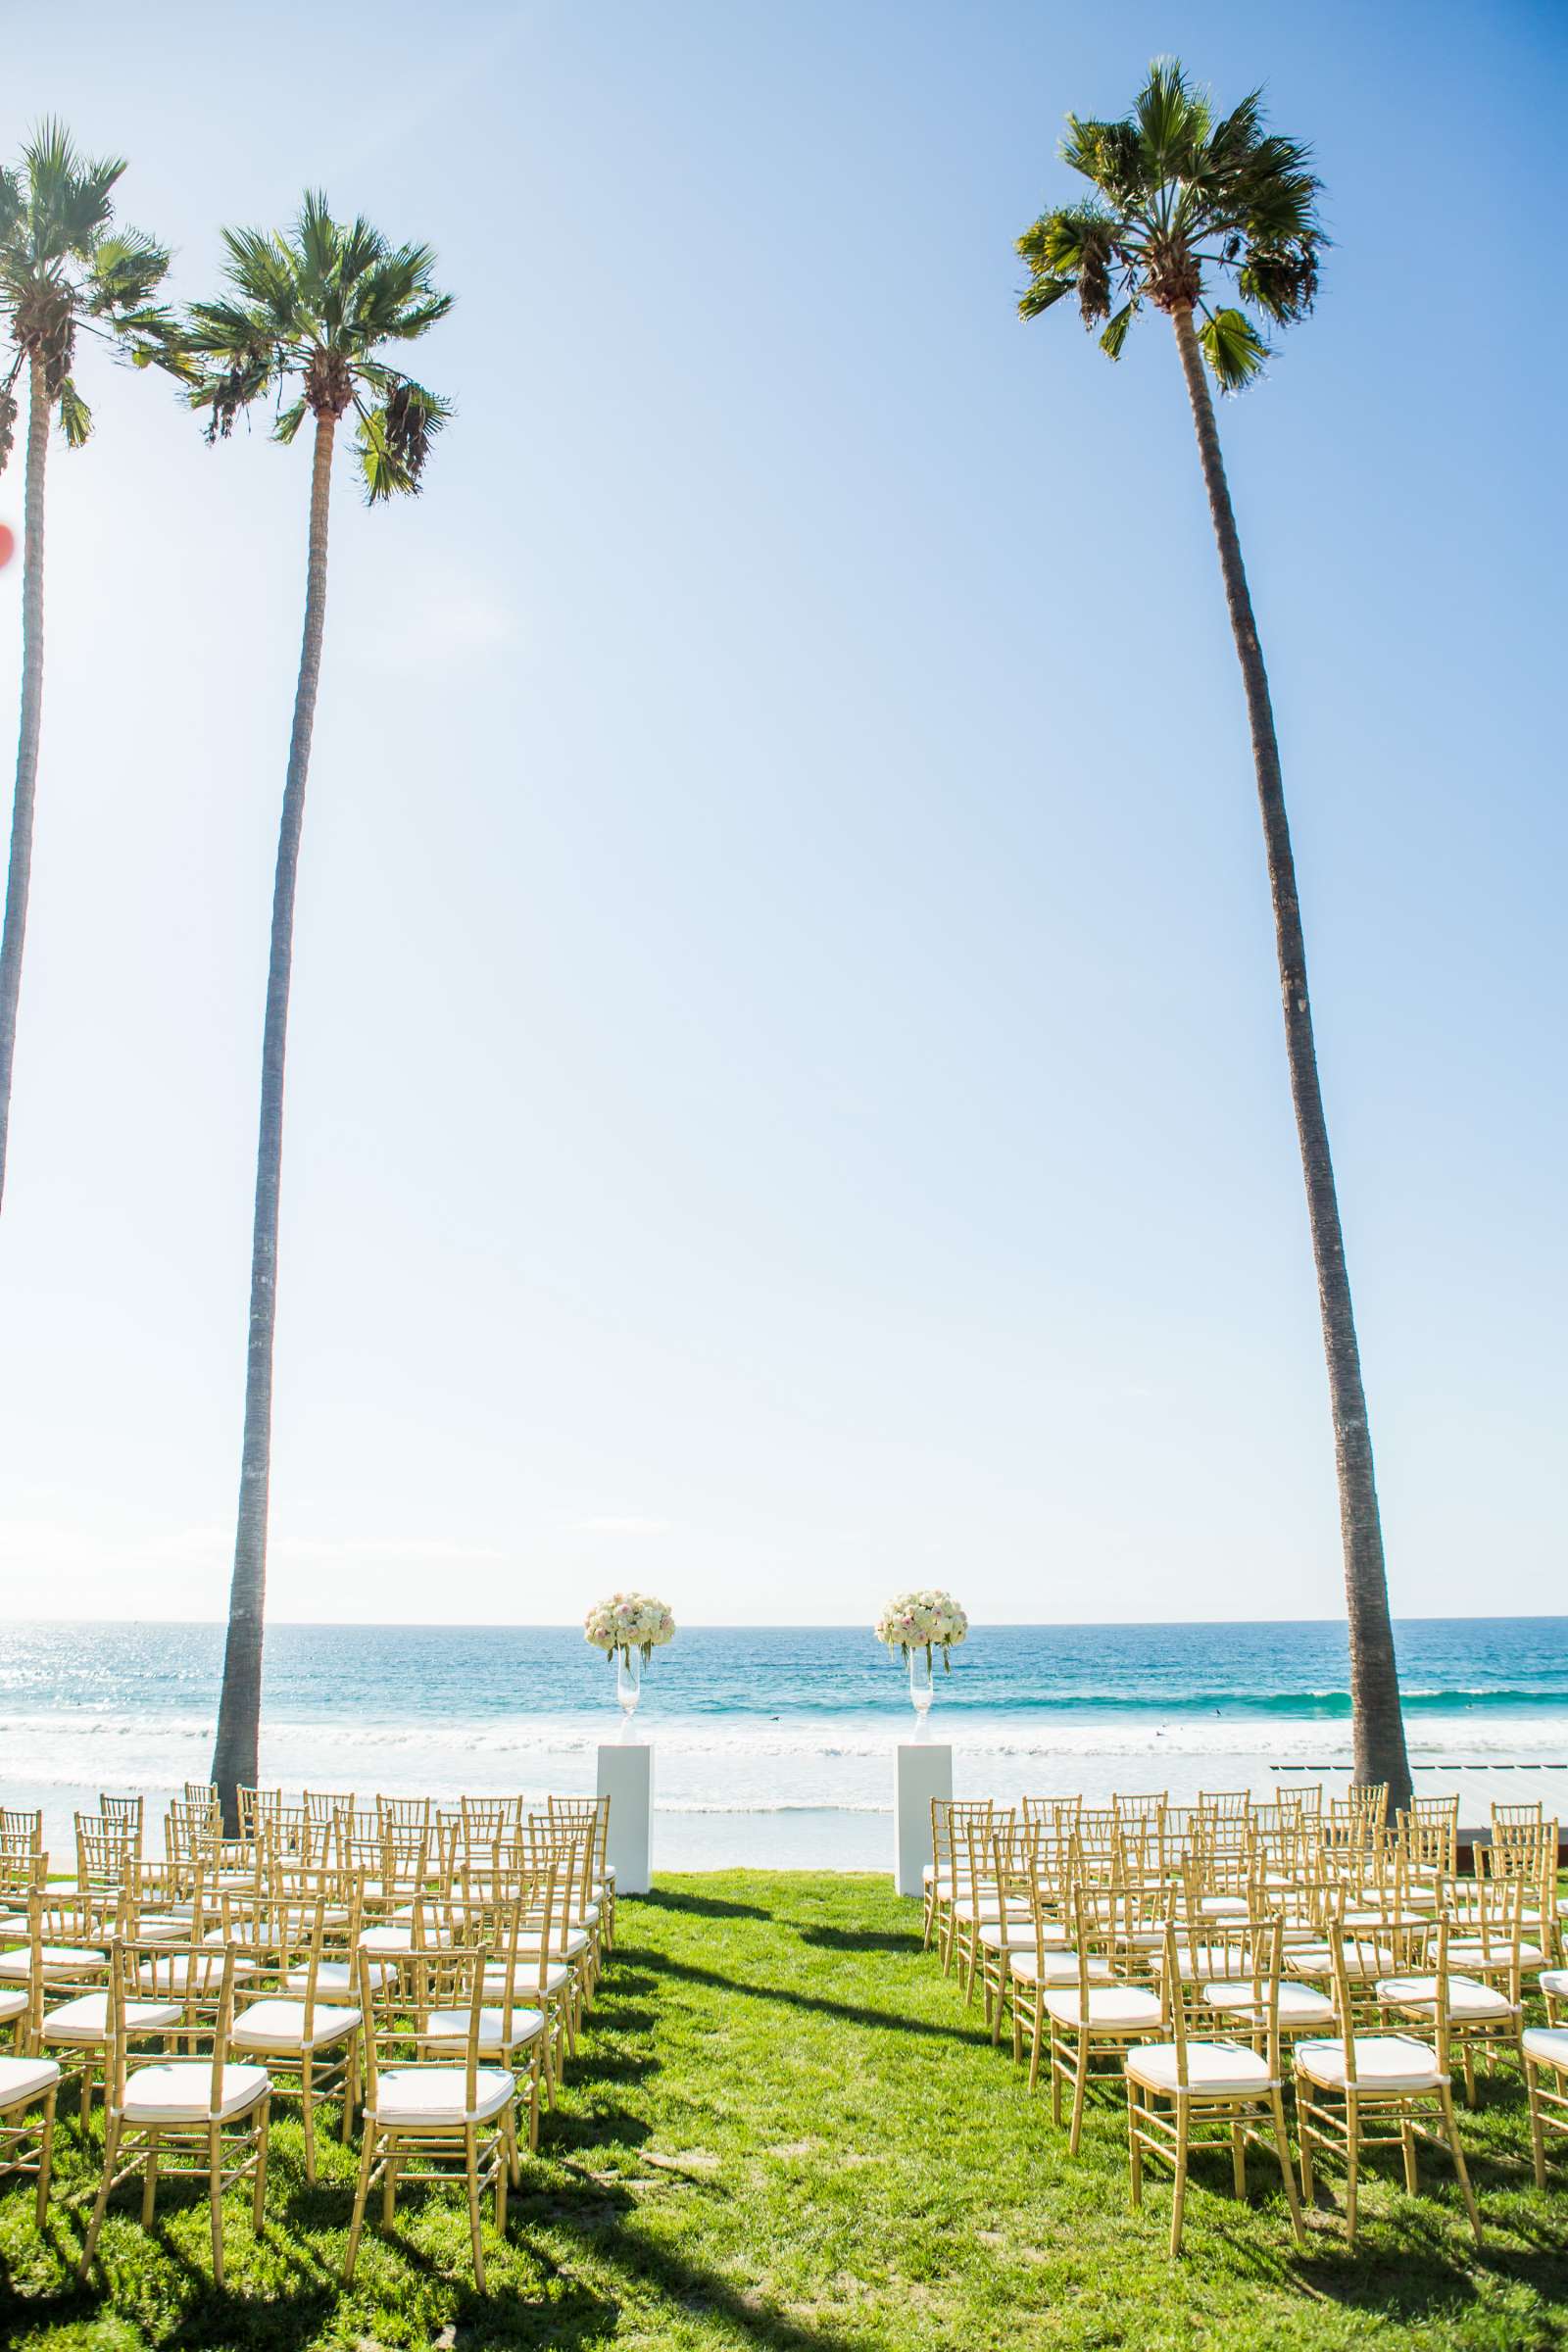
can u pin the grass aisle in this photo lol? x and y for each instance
(785, 2130)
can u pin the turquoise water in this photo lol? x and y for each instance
(773, 1742)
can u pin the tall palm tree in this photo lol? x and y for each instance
(1182, 200)
(308, 317)
(64, 272)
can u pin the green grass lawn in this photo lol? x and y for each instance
(785, 2130)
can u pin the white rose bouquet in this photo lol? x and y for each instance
(629, 1621)
(928, 1620)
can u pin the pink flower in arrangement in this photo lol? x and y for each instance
(925, 1620)
(629, 1621)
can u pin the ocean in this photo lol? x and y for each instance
(773, 1745)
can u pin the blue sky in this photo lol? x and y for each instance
(786, 1095)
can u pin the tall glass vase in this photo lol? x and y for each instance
(628, 1685)
(920, 1690)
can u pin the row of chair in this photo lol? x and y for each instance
(1187, 1952)
(427, 1981)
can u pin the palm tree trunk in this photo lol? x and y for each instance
(19, 875)
(239, 1710)
(1377, 1723)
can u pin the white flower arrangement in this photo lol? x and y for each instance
(629, 1621)
(927, 1620)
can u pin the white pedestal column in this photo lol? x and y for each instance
(626, 1777)
(924, 1771)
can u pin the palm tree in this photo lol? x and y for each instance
(1182, 200)
(64, 272)
(306, 316)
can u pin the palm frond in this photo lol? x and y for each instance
(68, 197)
(394, 440)
(1110, 154)
(125, 270)
(75, 417)
(1173, 121)
(1115, 334)
(1233, 347)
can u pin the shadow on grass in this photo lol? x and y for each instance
(852, 2013)
(862, 1939)
(703, 1906)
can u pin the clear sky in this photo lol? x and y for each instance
(786, 1095)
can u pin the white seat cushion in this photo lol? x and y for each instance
(86, 2018)
(12, 2004)
(335, 1976)
(55, 1960)
(1214, 2069)
(180, 2091)
(1555, 1982)
(1383, 2062)
(1019, 1936)
(1548, 2045)
(188, 1973)
(162, 1927)
(1469, 1952)
(277, 2025)
(1112, 2009)
(571, 1948)
(1362, 1962)
(24, 2078)
(525, 1979)
(1466, 1998)
(1053, 1967)
(1300, 2004)
(418, 2096)
(393, 1938)
(495, 2032)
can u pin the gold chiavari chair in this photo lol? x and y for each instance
(203, 1796)
(261, 1813)
(1528, 1851)
(420, 2115)
(1486, 1934)
(313, 2044)
(208, 2108)
(1429, 1830)
(1092, 2022)
(1025, 1867)
(1347, 2087)
(1545, 2050)
(20, 1830)
(519, 2022)
(570, 1937)
(106, 1848)
(950, 1816)
(1225, 1804)
(1055, 1813)
(595, 1811)
(1223, 1975)
(67, 1937)
(1051, 1961)
(524, 1872)
(975, 1900)
(329, 1819)
(1097, 1831)
(73, 2003)
(28, 2081)
(1148, 1806)
(1483, 2017)
(1192, 2091)
(404, 1815)
(129, 1808)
